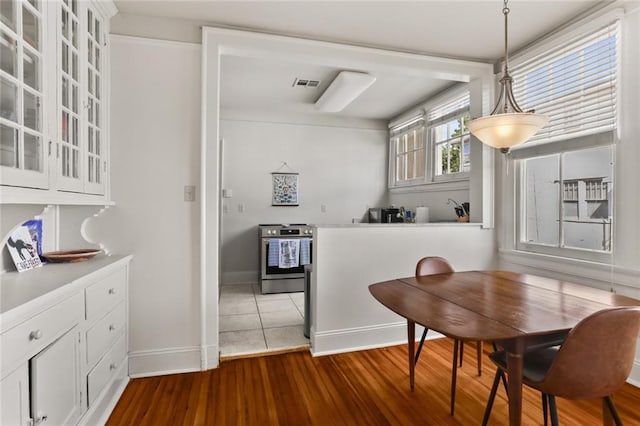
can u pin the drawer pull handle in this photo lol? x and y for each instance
(35, 335)
(112, 291)
(112, 327)
(112, 366)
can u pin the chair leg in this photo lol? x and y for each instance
(479, 355)
(504, 377)
(545, 411)
(461, 352)
(424, 335)
(454, 373)
(553, 409)
(492, 397)
(613, 411)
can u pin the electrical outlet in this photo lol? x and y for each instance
(323, 208)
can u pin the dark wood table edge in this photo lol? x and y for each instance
(515, 346)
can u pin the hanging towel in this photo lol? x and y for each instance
(274, 252)
(305, 251)
(289, 254)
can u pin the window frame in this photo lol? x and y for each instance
(414, 124)
(430, 181)
(450, 176)
(520, 209)
(606, 136)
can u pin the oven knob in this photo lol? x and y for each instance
(311, 231)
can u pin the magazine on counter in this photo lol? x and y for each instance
(23, 250)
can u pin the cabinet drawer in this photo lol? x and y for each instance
(105, 369)
(105, 294)
(104, 333)
(30, 337)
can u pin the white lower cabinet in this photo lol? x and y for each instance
(102, 373)
(14, 397)
(64, 359)
(55, 382)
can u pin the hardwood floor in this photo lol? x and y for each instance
(358, 388)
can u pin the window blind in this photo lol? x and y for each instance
(452, 108)
(575, 85)
(407, 127)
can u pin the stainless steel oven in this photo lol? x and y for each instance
(278, 278)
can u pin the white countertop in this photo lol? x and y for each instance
(47, 284)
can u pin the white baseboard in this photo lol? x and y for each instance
(634, 377)
(213, 357)
(361, 338)
(164, 361)
(240, 277)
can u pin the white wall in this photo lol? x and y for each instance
(345, 317)
(155, 150)
(341, 168)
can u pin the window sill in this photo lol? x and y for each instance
(589, 270)
(450, 185)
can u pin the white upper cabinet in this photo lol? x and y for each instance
(23, 144)
(53, 111)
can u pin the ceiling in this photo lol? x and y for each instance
(469, 30)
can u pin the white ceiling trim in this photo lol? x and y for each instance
(258, 45)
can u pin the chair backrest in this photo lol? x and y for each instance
(432, 265)
(596, 357)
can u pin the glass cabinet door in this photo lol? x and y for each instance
(95, 153)
(70, 175)
(22, 115)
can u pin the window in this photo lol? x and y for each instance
(574, 85)
(451, 146)
(437, 153)
(408, 148)
(566, 171)
(567, 200)
(450, 137)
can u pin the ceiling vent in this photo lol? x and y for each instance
(302, 82)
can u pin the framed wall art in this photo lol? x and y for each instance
(285, 189)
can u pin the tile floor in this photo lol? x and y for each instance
(253, 322)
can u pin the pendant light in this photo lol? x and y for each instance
(507, 125)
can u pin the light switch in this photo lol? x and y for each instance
(189, 193)
(227, 193)
(240, 208)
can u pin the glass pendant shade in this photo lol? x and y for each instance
(508, 129)
(507, 125)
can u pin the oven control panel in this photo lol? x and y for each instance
(286, 231)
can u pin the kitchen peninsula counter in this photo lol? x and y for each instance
(348, 258)
(402, 224)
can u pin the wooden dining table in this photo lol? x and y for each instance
(518, 310)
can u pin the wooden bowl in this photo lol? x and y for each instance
(79, 255)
